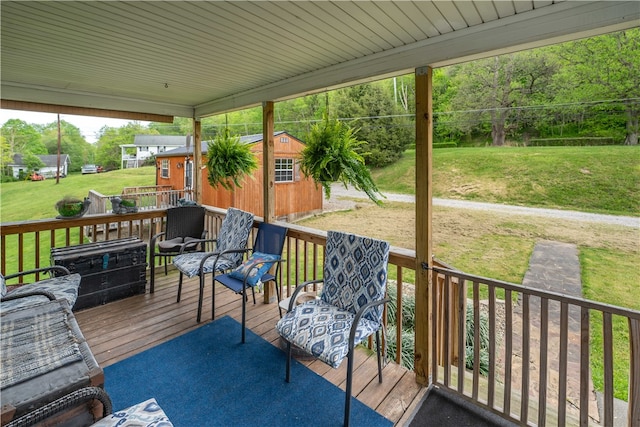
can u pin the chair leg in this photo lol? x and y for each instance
(179, 286)
(379, 356)
(244, 309)
(253, 292)
(213, 295)
(278, 294)
(152, 276)
(347, 403)
(165, 266)
(288, 375)
(200, 297)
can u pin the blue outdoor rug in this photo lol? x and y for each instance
(208, 378)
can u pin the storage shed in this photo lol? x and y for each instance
(295, 194)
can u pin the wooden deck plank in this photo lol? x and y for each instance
(126, 327)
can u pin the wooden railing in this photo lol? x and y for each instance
(538, 354)
(540, 393)
(151, 197)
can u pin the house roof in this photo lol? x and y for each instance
(245, 139)
(159, 140)
(49, 160)
(196, 58)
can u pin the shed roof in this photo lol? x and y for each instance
(183, 151)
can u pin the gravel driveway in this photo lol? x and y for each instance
(339, 193)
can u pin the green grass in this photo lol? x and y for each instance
(587, 179)
(27, 200)
(617, 286)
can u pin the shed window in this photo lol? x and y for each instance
(284, 170)
(164, 169)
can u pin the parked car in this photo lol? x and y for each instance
(35, 176)
(89, 169)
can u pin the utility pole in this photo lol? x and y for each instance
(59, 143)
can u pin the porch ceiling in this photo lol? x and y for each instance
(193, 59)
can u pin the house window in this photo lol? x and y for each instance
(284, 139)
(284, 170)
(164, 168)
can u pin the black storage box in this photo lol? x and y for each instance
(110, 270)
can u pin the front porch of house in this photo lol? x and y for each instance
(535, 393)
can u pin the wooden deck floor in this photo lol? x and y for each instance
(123, 328)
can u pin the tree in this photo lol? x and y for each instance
(72, 143)
(108, 151)
(492, 89)
(22, 137)
(384, 129)
(32, 161)
(606, 67)
(6, 156)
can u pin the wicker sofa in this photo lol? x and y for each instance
(48, 374)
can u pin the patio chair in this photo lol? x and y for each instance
(184, 225)
(266, 251)
(230, 245)
(64, 285)
(349, 308)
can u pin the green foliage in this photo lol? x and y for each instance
(32, 161)
(22, 137)
(385, 132)
(72, 143)
(602, 179)
(408, 325)
(330, 156)
(69, 206)
(229, 160)
(448, 144)
(484, 340)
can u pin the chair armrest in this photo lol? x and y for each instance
(299, 288)
(217, 255)
(10, 297)
(83, 395)
(199, 241)
(152, 242)
(359, 314)
(58, 268)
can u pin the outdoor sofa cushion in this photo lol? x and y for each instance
(60, 287)
(144, 414)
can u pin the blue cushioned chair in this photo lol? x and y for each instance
(230, 245)
(266, 251)
(349, 309)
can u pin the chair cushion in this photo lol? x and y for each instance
(144, 414)
(61, 287)
(323, 330)
(189, 263)
(3, 286)
(171, 245)
(255, 267)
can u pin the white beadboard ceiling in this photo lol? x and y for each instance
(197, 58)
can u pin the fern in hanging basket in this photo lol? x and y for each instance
(229, 160)
(330, 156)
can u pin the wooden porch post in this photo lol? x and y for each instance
(268, 179)
(197, 161)
(424, 231)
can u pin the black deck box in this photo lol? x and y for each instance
(110, 270)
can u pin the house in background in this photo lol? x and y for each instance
(146, 146)
(295, 194)
(18, 169)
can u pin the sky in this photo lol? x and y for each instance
(89, 126)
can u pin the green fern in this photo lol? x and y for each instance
(229, 160)
(330, 156)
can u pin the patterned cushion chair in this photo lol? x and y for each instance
(144, 414)
(65, 285)
(230, 246)
(349, 309)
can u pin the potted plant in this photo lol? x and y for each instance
(71, 207)
(330, 156)
(121, 206)
(229, 160)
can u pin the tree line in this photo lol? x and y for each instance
(581, 92)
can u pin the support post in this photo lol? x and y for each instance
(268, 179)
(197, 160)
(424, 225)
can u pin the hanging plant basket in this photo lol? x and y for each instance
(330, 156)
(229, 161)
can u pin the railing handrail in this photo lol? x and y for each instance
(550, 295)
